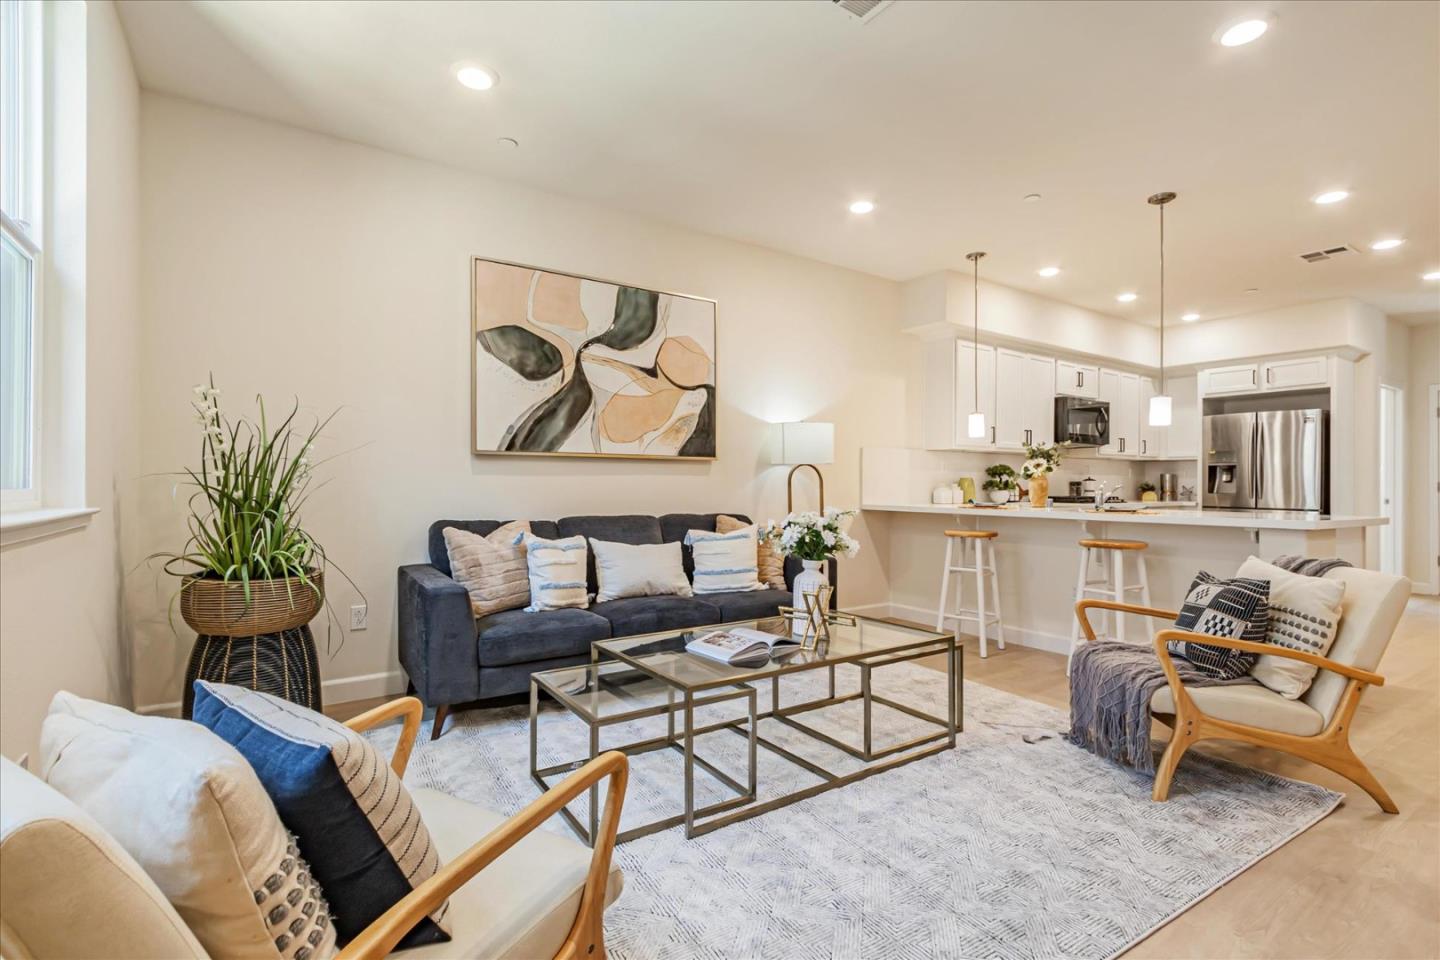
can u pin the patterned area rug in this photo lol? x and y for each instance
(1001, 848)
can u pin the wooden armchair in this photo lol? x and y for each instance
(470, 839)
(1315, 727)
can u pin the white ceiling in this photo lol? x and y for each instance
(762, 121)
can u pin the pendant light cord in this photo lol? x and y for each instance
(1162, 299)
(975, 340)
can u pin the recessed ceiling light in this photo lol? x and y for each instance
(509, 143)
(1246, 31)
(1432, 275)
(1389, 243)
(1127, 297)
(476, 78)
(1031, 198)
(862, 206)
(1190, 317)
(1330, 196)
(1049, 271)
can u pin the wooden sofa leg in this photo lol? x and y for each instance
(438, 725)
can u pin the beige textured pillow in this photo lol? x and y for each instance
(1304, 615)
(189, 808)
(491, 568)
(768, 559)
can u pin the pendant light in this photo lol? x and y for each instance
(977, 416)
(1160, 403)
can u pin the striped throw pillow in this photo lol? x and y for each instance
(725, 562)
(772, 565)
(492, 569)
(557, 572)
(350, 813)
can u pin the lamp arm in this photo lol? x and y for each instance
(790, 486)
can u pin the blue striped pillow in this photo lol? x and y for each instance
(725, 562)
(351, 814)
(557, 572)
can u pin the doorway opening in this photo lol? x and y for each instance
(1392, 469)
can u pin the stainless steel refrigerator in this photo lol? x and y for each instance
(1274, 460)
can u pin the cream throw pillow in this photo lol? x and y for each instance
(725, 562)
(189, 808)
(771, 564)
(639, 570)
(557, 573)
(1304, 615)
(491, 568)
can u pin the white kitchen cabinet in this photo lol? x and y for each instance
(1182, 437)
(965, 392)
(1241, 378)
(1076, 379)
(1152, 439)
(1295, 372)
(1038, 402)
(1108, 389)
(1122, 392)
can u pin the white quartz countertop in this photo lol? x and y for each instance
(1163, 516)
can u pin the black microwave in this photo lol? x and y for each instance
(1081, 422)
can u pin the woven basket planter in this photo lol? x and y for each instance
(218, 608)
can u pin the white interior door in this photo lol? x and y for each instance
(1392, 468)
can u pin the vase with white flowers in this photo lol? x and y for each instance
(1041, 459)
(813, 538)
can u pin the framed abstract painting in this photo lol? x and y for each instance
(565, 365)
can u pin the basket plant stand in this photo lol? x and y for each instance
(264, 643)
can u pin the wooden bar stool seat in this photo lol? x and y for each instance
(1114, 544)
(1109, 555)
(977, 556)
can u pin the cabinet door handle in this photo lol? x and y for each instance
(1122, 444)
(1252, 378)
(1144, 446)
(1269, 375)
(1027, 437)
(1079, 378)
(992, 434)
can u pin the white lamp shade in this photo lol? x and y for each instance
(1160, 411)
(977, 424)
(805, 442)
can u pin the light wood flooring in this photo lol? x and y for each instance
(1361, 884)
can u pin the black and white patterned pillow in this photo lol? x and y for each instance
(1237, 608)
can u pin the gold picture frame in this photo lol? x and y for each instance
(530, 382)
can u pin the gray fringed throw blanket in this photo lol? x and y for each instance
(1111, 685)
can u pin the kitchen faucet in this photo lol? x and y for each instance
(1101, 491)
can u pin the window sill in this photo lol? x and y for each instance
(21, 526)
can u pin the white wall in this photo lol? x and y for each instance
(60, 622)
(290, 263)
(1424, 371)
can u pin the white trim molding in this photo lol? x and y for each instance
(22, 526)
(334, 691)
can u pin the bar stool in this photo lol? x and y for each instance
(1111, 585)
(973, 543)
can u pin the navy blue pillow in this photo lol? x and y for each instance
(352, 816)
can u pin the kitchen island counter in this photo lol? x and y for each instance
(1160, 515)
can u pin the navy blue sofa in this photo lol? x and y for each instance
(453, 659)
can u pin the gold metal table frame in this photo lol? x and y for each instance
(681, 703)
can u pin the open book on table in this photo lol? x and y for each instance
(740, 645)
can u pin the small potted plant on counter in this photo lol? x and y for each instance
(999, 482)
(1147, 492)
(1040, 461)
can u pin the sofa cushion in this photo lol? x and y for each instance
(639, 570)
(515, 636)
(491, 568)
(674, 527)
(192, 811)
(520, 906)
(653, 614)
(1369, 613)
(58, 865)
(726, 562)
(625, 528)
(557, 573)
(355, 821)
(1250, 704)
(749, 604)
(440, 558)
(771, 564)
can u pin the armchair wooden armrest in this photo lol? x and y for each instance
(1266, 649)
(586, 938)
(408, 707)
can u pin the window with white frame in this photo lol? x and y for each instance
(21, 253)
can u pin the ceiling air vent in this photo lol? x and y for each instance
(1329, 253)
(862, 10)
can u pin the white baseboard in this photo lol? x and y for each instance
(337, 690)
(1050, 642)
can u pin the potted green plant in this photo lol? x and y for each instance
(249, 569)
(1147, 492)
(999, 482)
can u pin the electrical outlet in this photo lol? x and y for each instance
(358, 615)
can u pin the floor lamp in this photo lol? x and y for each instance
(804, 444)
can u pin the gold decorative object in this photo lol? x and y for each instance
(817, 617)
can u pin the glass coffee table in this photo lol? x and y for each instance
(651, 675)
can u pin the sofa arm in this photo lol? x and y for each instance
(437, 636)
(793, 566)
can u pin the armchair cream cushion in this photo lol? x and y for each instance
(1373, 605)
(68, 890)
(521, 906)
(1250, 704)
